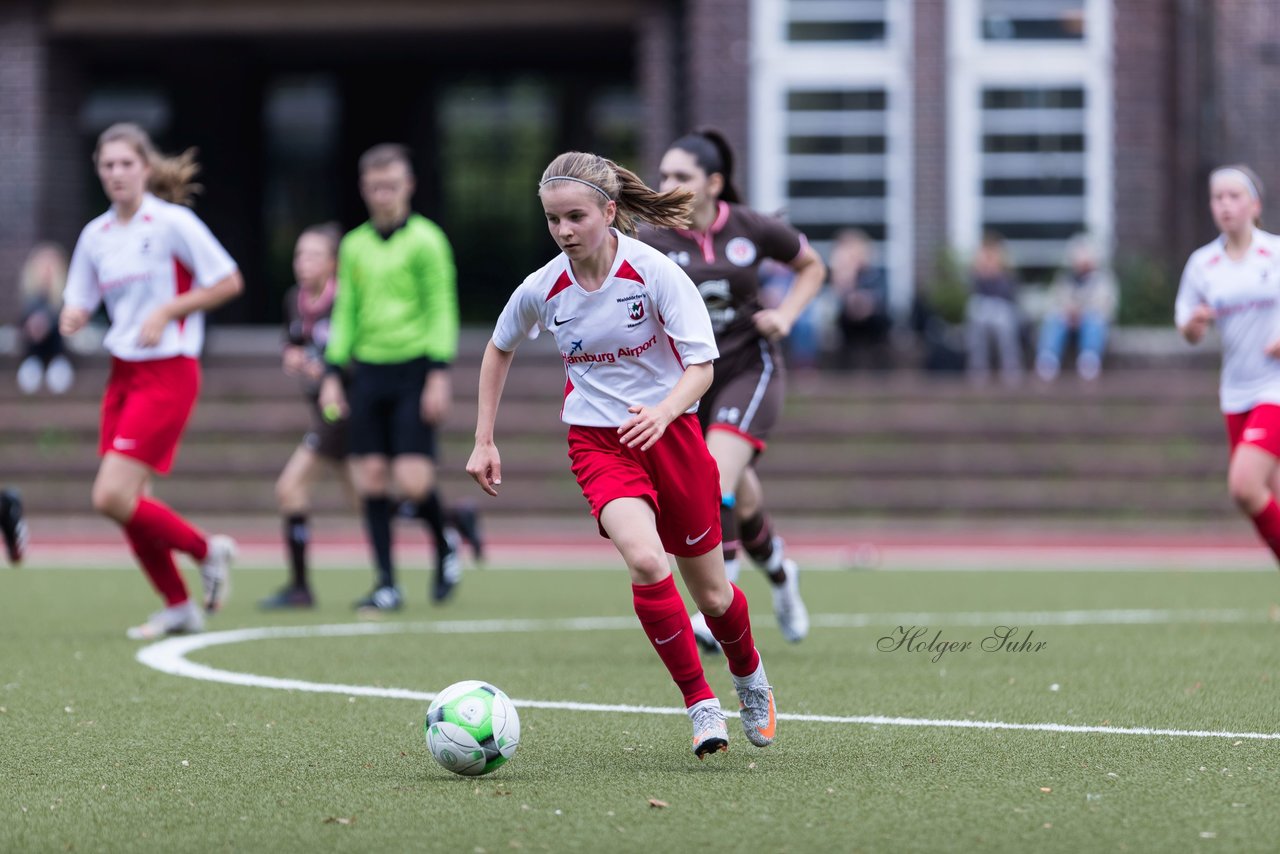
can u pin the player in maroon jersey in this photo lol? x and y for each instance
(721, 252)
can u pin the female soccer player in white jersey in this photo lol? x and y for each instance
(158, 268)
(637, 346)
(1234, 282)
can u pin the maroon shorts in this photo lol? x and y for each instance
(677, 476)
(1259, 426)
(146, 407)
(746, 395)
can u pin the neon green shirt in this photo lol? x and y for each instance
(397, 296)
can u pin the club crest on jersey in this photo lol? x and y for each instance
(635, 310)
(740, 251)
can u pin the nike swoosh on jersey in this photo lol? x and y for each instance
(558, 322)
(662, 641)
(693, 541)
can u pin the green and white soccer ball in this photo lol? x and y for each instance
(472, 728)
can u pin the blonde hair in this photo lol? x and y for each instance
(44, 273)
(636, 201)
(172, 178)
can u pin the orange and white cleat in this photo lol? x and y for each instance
(759, 718)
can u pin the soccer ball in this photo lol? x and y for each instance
(472, 728)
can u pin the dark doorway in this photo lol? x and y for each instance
(280, 123)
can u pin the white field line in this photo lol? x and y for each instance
(854, 555)
(170, 656)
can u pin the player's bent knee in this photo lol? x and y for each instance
(713, 601)
(646, 566)
(1249, 494)
(113, 502)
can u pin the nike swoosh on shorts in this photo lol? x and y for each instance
(693, 541)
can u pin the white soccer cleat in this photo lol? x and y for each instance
(788, 607)
(710, 735)
(755, 696)
(184, 619)
(702, 633)
(215, 572)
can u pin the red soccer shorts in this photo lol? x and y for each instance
(1259, 426)
(146, 407)
(678, 476)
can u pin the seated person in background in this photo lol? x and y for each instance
(43, 358)
(992, 313)
(861, 298)
(1082, 299)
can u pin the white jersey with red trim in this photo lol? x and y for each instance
(137, 267)
(625, 344)
(1245, 298)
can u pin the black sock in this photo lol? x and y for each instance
(757, 539)
(296, 536)
(431, 512)
(377, 524)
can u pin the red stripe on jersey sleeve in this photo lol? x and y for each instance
(561, 283)
(626, 271)
(182, 279)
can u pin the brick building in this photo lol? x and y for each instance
(921, 121)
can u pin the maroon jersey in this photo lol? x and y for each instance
(724, 262)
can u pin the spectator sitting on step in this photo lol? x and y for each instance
(1082, 300)
(862, 301)
(43, 355)
(992, 313)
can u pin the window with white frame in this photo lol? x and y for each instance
(1033, 169)
(836, 20)
(830, 123)
(1030, 147)
(1033, 20)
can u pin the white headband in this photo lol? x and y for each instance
(544, 183)
(1236, 173)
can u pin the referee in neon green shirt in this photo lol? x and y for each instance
(394, 329)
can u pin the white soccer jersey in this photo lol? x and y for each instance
(137, 267)
(625, 344)
(1245, 298)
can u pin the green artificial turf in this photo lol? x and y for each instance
(100, 753)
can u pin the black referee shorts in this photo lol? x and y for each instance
(386, 410)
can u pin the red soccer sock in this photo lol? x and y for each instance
(157, 563)
(1268, 524)
(665, 621)
(733, 630)
(155, 522)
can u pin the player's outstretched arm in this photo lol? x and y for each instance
(485, 465)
